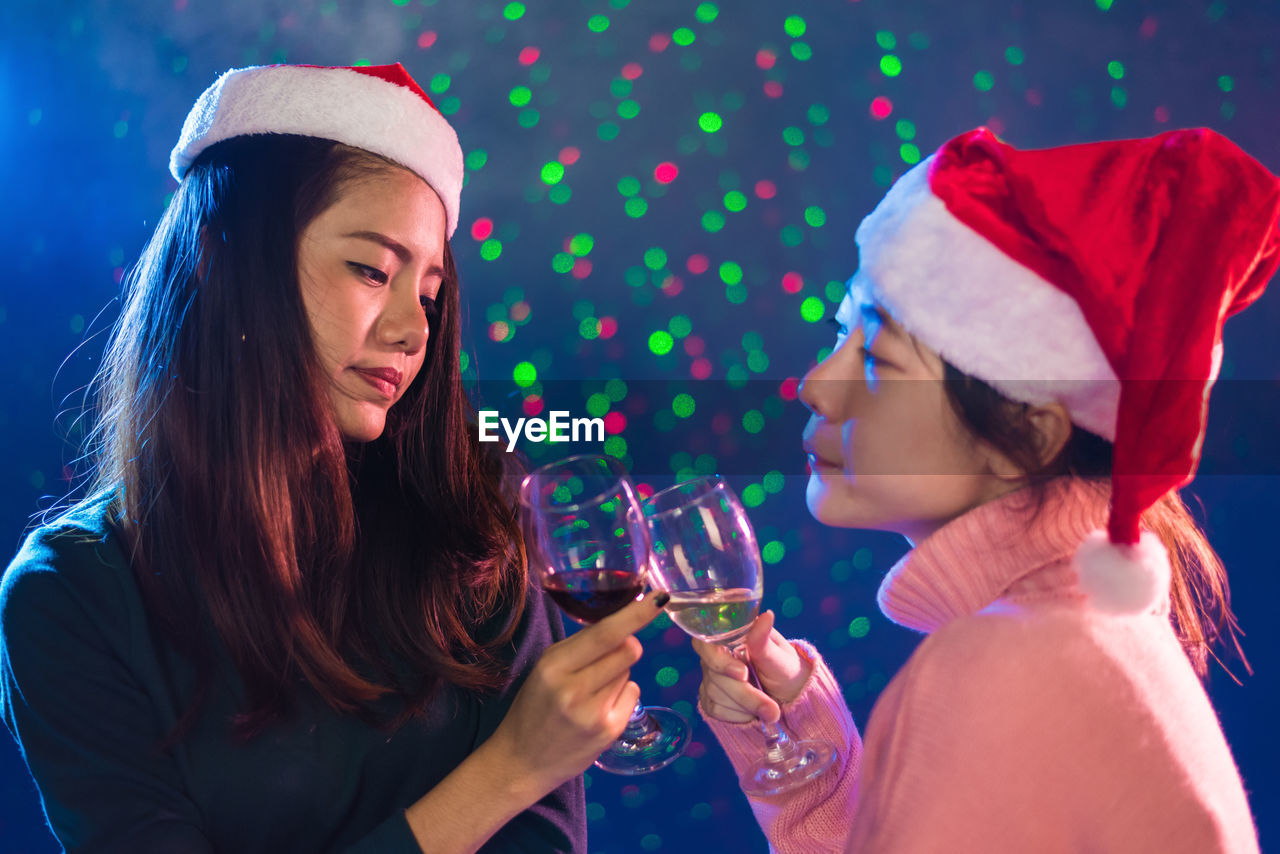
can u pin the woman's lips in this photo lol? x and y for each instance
(385, 380)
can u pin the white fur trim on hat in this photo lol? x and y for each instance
(1123, 579)
(331, 103)
(983, 312)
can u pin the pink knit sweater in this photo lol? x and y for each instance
(1023, 722)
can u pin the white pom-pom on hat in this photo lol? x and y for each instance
(1121, 578)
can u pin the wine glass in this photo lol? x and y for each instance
(704, 554)
(587, 540)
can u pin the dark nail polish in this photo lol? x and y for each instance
(661, 600)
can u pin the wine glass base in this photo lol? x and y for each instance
(811, 759)
(654, 742)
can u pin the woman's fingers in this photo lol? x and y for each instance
(606, 669)
(733, 700)
(719, 660)
(583, 648)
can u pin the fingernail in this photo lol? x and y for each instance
(661, 600)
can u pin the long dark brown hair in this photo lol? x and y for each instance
(1200, 600)
(243, 512)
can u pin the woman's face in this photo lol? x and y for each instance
(886, 450)
(370, 267)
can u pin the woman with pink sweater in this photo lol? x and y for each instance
(1019, 386)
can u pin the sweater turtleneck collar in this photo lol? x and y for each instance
(998, 549)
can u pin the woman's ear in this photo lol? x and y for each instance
(1052, 425)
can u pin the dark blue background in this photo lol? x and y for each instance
(92, 95)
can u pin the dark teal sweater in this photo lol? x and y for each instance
(87, 690)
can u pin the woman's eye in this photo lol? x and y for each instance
(867, 355)
(429, 306)
(373, 274)
(841, 329)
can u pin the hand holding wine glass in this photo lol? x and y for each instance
(588, 542)
(705, 555)
(727, 692)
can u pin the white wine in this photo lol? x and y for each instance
(717, 615)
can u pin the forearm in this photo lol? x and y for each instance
(817, 817)
(473, 802)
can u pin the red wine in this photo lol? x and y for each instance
(588, 595)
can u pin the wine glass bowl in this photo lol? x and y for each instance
(588, 544)
(705, 556)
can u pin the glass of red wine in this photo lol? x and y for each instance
(704, 554)
(589, 544)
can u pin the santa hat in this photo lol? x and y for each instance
(1097, 276)
(378, 108)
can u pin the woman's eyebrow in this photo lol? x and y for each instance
(401, 251)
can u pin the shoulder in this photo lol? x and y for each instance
(70, 568)
(1101, 685)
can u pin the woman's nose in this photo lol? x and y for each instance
(403, 323)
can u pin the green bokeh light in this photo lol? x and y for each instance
(513, 11)
(525, 374)
(491, 249)
(552, 172)
(636, 207)
(655, 258)
(1014, 55)
(890, 65)
(683, 405)
(581, 244)
(794, 26)
(706, 12)
(730, 273)
(710, 122)
(812, 309)
(753, 421)
(734, 201)
(815, 216)
(983, 81)
(712, 221)
(628, 186)
(598, 23)
(818, 114)
(683, 36)
(753, 495)
(906, 130)
(793, 136)
(520, 96)
(1116, 69)
(773, 551)
(858, 627)
(661, 342)
(886, 40)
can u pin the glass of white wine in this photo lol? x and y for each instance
(704, 554)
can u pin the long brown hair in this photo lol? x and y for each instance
(1199, 596)
(243, 512)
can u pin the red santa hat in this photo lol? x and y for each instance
(378, 108)
(1097, 276)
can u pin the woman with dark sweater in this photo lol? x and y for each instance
(293, 612)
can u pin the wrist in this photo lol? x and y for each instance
(788, 690)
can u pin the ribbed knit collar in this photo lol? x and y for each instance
(994, 551)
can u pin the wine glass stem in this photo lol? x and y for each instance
(778, 745)
(636, 723)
